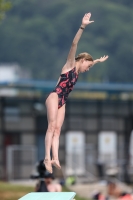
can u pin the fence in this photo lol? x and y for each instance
(20, 161)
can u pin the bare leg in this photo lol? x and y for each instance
(52, 111)
(55, 141)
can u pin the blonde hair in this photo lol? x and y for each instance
(84, 55)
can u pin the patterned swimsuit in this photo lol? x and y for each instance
(65, 86)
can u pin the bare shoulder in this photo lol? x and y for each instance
(67, 67)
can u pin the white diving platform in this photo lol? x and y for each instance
(49, 196)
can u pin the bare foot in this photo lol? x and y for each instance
(48, 165)
(56, 163)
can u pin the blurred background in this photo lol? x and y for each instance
(97, 135)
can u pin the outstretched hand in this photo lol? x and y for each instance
(86, 19)
(102, 59)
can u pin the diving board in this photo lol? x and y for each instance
(49, 196)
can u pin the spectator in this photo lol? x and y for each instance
(115, 191)
(45, 179)
(48, 185)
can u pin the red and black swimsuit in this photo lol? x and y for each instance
(65, 86)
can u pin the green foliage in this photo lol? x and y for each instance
(38, 35)
(123, 2)
(4, 6)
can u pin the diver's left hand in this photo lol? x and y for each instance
(102, 59)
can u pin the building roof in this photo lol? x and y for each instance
(47, 86)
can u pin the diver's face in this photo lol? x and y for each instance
(85, 65)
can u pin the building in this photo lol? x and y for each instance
(93, 109)
(11, 72)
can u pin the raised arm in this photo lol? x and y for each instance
(71, 56)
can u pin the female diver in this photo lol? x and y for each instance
(55, 103)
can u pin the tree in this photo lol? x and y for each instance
(38, 33)
(4, 6)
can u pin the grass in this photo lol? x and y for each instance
(14, 192)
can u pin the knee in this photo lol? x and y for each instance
(57, 131)
(51, 127)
